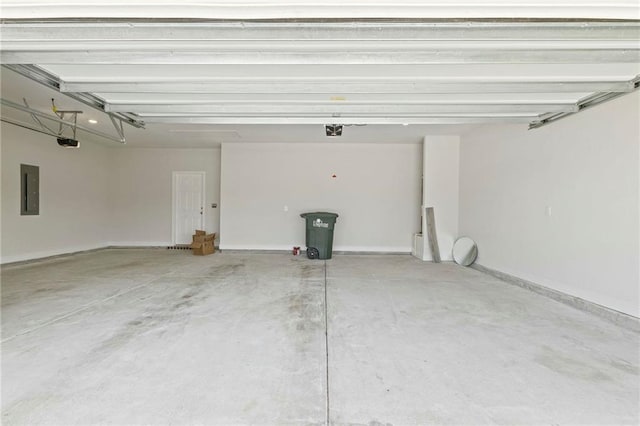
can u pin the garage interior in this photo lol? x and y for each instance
(126, 127)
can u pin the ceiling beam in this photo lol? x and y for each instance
(339, 120)
(336, 107)
(339, 57)
(116, 99)
(160, 31)
(310, 46)
(345, 86)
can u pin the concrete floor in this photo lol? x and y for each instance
(164, 337)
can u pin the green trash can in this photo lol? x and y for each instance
(319, 234)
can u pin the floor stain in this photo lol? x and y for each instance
(625, 367)
(377, 423)
(570, 367)
(10, 297)
(226, 270)
(310, 271)
(171, 315)
(305, 312)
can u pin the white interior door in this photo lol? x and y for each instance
(188, 205)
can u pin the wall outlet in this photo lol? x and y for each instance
(286, 208)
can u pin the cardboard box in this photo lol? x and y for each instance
(198, 239)
(202, 243)
(202, 249)
(201, 238)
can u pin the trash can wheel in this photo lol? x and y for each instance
(313, 253)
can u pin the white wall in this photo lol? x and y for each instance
(141, 192)
(441, 157)
(73, 196)
(585, 168)
(376, 193)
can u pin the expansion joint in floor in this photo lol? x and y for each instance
(326, 341)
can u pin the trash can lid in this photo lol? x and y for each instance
(321, 214)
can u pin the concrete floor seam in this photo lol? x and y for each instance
(326, 341)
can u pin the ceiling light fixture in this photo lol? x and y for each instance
(92, 121)
(333, 130)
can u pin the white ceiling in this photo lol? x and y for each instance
(328, 9)
(197, 83)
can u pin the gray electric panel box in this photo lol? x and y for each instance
(30, 190)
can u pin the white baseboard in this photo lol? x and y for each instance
(140, 244)
(40, 255)
(374, 249)
(37, 255)
(359, 249)
(257, 247)
(620, 318)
